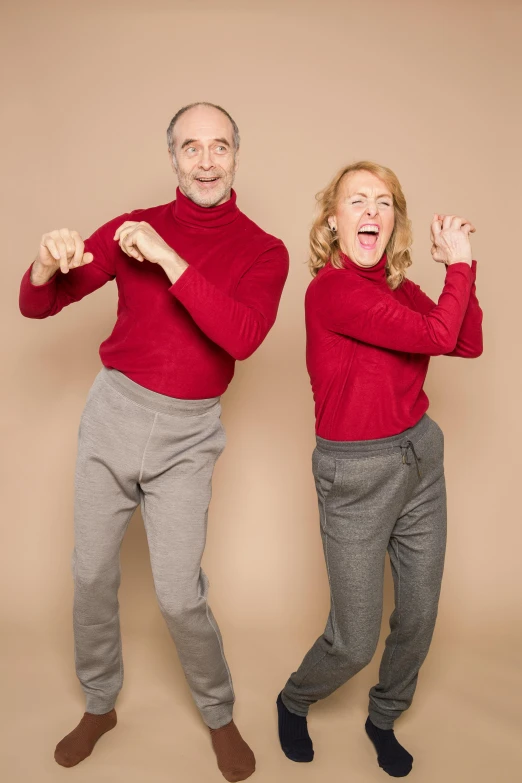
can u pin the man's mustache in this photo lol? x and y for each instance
(216, 172)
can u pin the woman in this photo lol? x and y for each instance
(378, 465)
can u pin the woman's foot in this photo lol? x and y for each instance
(79, 744)
(293, 734)
(392, 757)
(235, 759)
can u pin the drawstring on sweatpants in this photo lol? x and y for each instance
(405, 445)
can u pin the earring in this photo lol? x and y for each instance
(333, 228)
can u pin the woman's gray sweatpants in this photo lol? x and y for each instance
(136, 446)
(377, 495)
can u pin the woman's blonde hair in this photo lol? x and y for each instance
(324, 243)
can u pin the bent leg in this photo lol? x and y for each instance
(416, 550)
(113, 433)
(358, 503)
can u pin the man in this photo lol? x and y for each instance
(199, 286)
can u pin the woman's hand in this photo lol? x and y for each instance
(450, 239)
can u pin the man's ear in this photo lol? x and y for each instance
(236, 160)
(172, 161)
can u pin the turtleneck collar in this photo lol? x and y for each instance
(191, 214)
(376, 273)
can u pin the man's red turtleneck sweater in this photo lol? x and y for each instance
(181, 340)
(368, 347)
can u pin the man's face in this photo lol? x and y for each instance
(204, 159)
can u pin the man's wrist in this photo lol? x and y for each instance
(40, 275)
(173, 266)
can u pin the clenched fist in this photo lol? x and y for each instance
(62, 249)
(450, 239)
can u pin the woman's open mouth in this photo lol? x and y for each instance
(368, 236)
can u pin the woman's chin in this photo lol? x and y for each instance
(367, 259)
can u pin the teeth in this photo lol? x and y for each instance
(369, 230)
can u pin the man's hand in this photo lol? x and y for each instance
(61, 249)
(450, 239)
(142, 242)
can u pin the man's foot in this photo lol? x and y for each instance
(235, 759)
(79, 744)
(293, 734)
(392, 757)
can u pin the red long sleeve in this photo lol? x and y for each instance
(366, 313)
(368, 347)
(41, 301)
(238, 323)
(469, 341)
(180, 340)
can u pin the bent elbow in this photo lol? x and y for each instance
(446, 347)
(28, 313)
(242, 352)
(247, 345)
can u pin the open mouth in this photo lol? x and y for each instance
(207, 181)
(368, 236)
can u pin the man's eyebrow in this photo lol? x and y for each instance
(188, 142)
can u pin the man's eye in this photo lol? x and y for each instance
(221, 149)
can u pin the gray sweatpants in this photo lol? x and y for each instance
(378, 495)
(136, 446)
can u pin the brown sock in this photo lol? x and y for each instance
(79, 744)
(235, 759)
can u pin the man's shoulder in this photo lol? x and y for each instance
(262, 239)
(148, 214)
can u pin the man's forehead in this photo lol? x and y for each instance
(196, 124)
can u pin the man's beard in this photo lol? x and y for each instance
(189, 186)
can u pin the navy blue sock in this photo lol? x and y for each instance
(293, 734)
(392, 757)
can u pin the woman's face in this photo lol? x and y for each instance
(364, 217)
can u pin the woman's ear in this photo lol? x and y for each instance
(332, 224)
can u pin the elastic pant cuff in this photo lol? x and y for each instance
(294, 708)
(217, 717)
(380, 721)
(97, 706)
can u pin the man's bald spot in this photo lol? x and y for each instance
(232, 141)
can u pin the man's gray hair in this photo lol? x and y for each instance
(170, 129)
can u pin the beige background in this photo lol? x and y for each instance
(428, 89)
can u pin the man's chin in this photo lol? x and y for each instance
(210, 199)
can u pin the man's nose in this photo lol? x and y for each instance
(206, 160)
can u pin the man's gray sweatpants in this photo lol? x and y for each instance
(377, 495)
(136, 446)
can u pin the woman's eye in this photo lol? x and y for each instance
(357, 202)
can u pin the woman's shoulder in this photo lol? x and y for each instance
(330, 276)
(334, 287)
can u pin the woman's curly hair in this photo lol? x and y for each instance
(324, 243)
